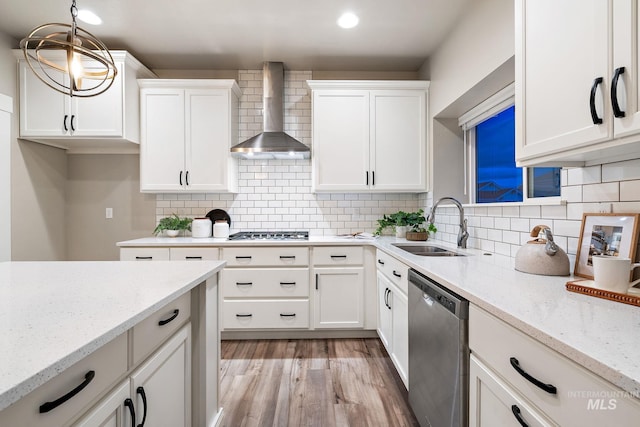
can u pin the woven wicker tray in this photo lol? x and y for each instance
(576, 286)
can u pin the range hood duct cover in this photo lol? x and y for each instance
(273, 143)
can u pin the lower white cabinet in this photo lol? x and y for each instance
(339, 297)
(166, 254)
(493, 403)
(115, 410)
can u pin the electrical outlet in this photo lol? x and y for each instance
(108, 213)
(605, 208)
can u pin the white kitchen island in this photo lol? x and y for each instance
(115, 319)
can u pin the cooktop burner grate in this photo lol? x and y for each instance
(270, 235)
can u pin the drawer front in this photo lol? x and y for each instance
(109, 364)
(157, 328)
(266, 257)
(338, 255)
(144, 254)
(272, 314)
(579, 392)
(194, 254)
(396, 271)
(262, 282)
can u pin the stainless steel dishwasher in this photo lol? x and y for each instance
(438, 353)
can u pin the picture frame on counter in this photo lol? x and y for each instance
(612, 234)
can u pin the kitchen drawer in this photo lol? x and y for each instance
(265, 282)
(266, 257)
(578, 390)
(144, 254)
(196, 254)
(338, 255)
(261, 314)
(153, 331)
(109, 363)
(396, 271)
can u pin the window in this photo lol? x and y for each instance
(492, 171)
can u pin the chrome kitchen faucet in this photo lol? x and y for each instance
(463, 234)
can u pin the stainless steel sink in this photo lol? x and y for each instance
(426, 250)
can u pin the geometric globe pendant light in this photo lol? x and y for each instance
(57, 54)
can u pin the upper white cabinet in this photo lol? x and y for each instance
(369, 135)
(109, 122)
(188, 127)
(577, 81)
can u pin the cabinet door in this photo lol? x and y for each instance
(561, 49)
(626, 53)
(339, 296)
(100, 115)
(208, 134)
(400, 334)
(384, 311)
(398, 140)
(110, 412)
(42, 110)
(144, 254)
(493, 403)
(162, 155)
(341, 140)
(164, 382)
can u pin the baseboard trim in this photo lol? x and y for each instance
(283, 335)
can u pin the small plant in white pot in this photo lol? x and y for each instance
(407, 224)
(173, 225)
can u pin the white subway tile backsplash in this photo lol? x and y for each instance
(608, 192)
(587, 175)
(630, 191)
(530, 211)
(621, 171)
(554, 211)
(572, 193)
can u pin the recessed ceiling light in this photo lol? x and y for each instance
(89, 17)
(348, 20)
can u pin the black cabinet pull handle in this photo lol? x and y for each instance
(193, 257)
(144, 257)
(244, 315)
(287, 283)
(243, 257)
(186, 178)
(64, 122)
(180, 177)
(73, 116)
(516, 413)
(49, 406)
(367, 173)
(551, 389)
(287, 257)
(338, 256)
(395, 273)
(387, 291)
(173, 316)
(617, 112)
(373, 177)
(244, 283)
(287, 315)
(380, 262)
(316, 282)
(129, 404)
(592, 101)
(140, 391)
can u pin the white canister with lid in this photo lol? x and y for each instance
(221, 229)
(201, 227)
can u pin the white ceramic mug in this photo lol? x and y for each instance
(221, 229)
(612, 273)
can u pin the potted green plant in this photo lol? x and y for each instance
(172, 225)
(412, 220)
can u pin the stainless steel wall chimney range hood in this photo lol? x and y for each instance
(272, 143)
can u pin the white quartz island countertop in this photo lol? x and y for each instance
(602, 336)
(53, 314)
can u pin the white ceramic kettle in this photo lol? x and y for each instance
(541, 255)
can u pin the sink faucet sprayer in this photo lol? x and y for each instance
(463, 234)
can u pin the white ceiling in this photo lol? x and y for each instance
(393, 35)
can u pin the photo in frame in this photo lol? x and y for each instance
(605, 234)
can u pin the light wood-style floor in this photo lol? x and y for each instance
(320, 382)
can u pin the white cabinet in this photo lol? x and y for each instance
(188, 127)
(393, 314)
(166, 254)
(543, 384)
(576, 63)
(339, 287)
(112, 411)
(369, 135)
(109, 122)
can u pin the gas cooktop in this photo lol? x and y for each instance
(270, 235)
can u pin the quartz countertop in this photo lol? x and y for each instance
(602, 336)
(53, 314)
